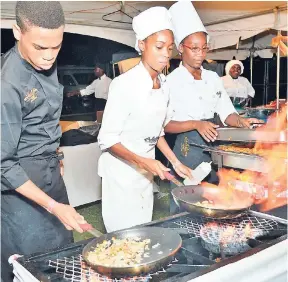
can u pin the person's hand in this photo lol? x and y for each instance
(248, 122)
(154, 166)
(207, 130)
(68, 216)
(248, 102)
(182, 170)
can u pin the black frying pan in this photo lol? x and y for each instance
(169, 243)
(187, 197)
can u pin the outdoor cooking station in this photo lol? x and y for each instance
(202, 256)
(192, 261)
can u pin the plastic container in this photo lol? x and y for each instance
(199, 173)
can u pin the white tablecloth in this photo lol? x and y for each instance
(81, 173)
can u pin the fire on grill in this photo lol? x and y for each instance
(227, 239)
(274, 154)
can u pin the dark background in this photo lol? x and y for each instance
(85, 50)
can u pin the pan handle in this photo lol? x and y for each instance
(90, 229)
(172, 178)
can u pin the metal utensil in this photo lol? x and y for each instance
(90, 229)
(173, 179)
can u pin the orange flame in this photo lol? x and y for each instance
(275, 163)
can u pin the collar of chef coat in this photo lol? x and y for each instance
(102, 77)
(189, 77)
(146, 80)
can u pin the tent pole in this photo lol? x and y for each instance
(251, 70)
(113, 70)
(278, 74)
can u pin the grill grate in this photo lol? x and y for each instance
(74, 269)
(194, 225)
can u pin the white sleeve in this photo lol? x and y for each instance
(88, 90)
(224, 106)
(116, 112)
(250, 89)
(168, 118)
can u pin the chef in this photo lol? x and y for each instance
(238, 87)
(35, 212)
(129, 133)
(196, 94)
(100, 87)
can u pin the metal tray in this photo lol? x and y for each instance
(240, 161)
(250, 135)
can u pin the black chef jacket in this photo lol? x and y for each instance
(31, 103)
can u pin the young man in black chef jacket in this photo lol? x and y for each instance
(35, 212)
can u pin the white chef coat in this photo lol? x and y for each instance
(135, 116)
(240, 87)
(99, 86)
(198, 99)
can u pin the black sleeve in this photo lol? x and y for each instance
(12, 174)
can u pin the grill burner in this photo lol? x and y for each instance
(226, 240)
(65, 264)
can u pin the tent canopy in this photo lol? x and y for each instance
(226, 22)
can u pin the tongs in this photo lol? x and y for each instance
(205, 147)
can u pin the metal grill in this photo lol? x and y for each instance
(194, 225)
(74, 269)
(227, 240)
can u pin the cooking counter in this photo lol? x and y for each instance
(192, 262)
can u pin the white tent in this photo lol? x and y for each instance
(226, 22)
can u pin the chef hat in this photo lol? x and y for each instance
(185, 21)
(231, 63)
(151, 21)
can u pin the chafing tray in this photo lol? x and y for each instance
(250, 135)
(236, 160)
(240, 161)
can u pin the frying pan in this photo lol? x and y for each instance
(166, 244)
(186, 197)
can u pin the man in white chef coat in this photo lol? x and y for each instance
(238, 87)
(196, 94)
(100, 87)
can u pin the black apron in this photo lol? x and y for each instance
(192, 156)
(27, 228)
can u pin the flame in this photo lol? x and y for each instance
(275, 163)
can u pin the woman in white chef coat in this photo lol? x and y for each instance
(196, 94)
(238, 87)
(133, 124)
